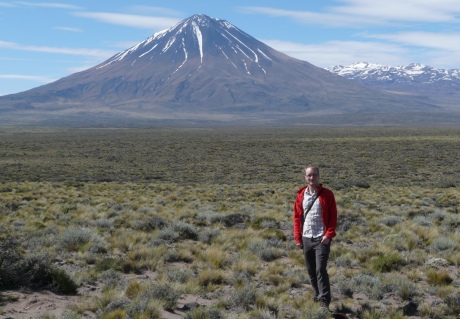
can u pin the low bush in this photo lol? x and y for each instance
(185, 231)
(243, 297)
(33, 271)
(442, 244)
(438, 277)
(388, 262)
(264, 250)
(162, 292)
(453, 303)
(74, 238)
(111, 279)
(108, 263)
(211, 277)
(390, 220)
(207, 235)
(264, 222)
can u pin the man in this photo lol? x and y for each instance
(315, 219)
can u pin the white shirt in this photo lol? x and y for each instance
(313, 226)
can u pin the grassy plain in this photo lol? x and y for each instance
(153, 215)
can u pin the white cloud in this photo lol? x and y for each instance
(443, 41)
(347, 52)
(95, 53)
(402, 10)
(70, 29)
(342, 52)
(309, 17)
(41, 79)
(435, 49)
(54, 5)
(130, 20)
(354, 13)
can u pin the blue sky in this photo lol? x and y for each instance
(41, 42)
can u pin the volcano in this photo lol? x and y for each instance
(202, 70)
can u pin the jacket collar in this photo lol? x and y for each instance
(320, 186)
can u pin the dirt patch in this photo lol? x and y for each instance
(30, 305)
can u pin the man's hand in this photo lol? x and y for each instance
(325, 240)
(299, 245)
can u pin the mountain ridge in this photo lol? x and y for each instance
(413, 72)
(438, 86)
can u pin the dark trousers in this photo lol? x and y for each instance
(316, 256)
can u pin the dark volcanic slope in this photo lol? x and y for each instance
(206, 68)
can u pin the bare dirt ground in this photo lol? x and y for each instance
(34, 304)
(25, 305)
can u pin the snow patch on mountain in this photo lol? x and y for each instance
(187, 37)
(412, 73)
(199, 37)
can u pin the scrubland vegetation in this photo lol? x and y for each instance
(152, 216)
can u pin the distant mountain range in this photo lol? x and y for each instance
(438, 86)
(207, 71)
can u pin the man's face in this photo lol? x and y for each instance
(312, 177)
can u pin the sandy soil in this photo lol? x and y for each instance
(34, 304)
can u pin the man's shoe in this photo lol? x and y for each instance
(315, 298)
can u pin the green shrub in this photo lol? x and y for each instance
(264, 222)
(390, 220)
(32, 271)
(119, 303)
(151, 223)
(108, 263)
(233, 219)
(163, 292)
(345, 288)
(186, 231)
(243, 297)
(264, 250)
(371, 285)
(133, 289)
(143, 307)
(207, 235)
(438, 277)
(404, 288)
(73, 238)
(62, 282)
(211, 277)
(453, 304)
(388, 262)
(168, 235)
(442, 244)
(178, 275)
(111, 279)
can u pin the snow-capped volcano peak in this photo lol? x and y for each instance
(197, 38)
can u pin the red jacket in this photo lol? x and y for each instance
(328, 208)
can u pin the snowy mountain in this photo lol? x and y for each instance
(204, 70)
(437, 86)
(412, 73)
